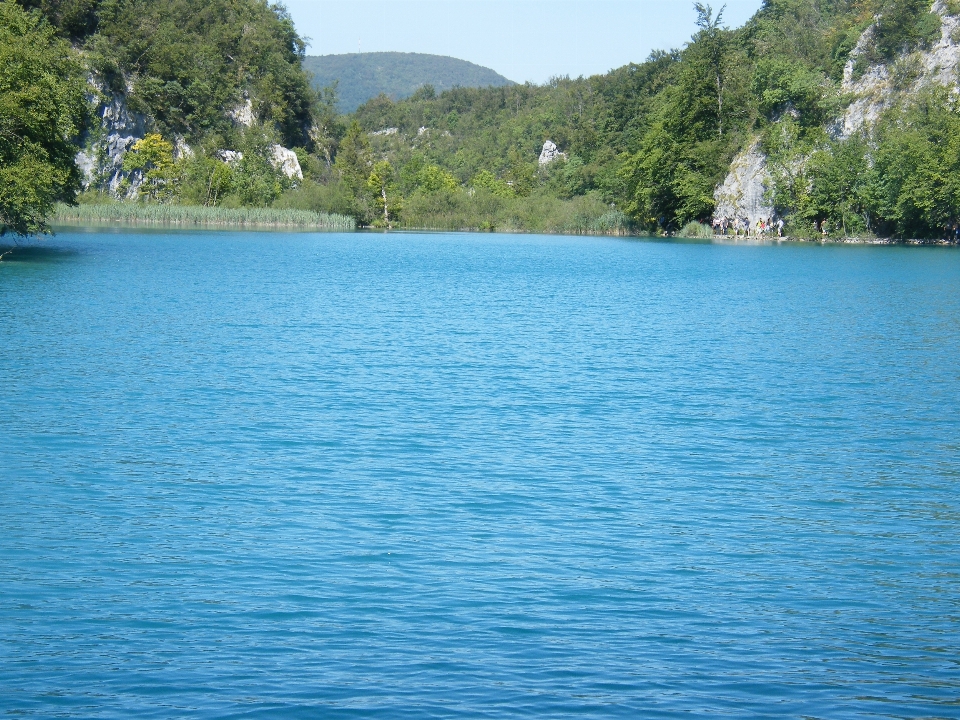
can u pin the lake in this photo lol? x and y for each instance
(252, 475)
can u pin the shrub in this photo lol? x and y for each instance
(695, 229)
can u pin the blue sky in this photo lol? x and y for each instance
(521, 39)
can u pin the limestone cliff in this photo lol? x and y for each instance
(881, 86)
(116, 129)
(744, 192)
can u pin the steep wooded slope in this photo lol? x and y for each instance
(659, 138)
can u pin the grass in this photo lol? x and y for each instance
(537, 213)
(193, 216)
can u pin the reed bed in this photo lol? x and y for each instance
(192, 216)
(536, 213)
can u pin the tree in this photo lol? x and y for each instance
(486, 180)
(838, 192)
(153, 156)
(327, 127)
(711, 42)
(435, 179)
(42, 112)
(381, 183)
(353, 165)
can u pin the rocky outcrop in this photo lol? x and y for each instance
(230, 157)
(744, 193)
(242, 114)
(101, 160)
(286, 161)
(879, 87)
(550, 153)
(117, 129)
(181, 151)
(280, 157)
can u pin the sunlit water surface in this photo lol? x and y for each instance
(293, 475)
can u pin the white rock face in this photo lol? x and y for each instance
(181, 151)
(120, 129)
(230, 157)
(242, 114)
(550, 153)
(943, 59)
(385, 132)
(286, 161)
(875, 91)
(743, 195)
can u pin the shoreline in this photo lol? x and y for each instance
(132, 223)
(834, 241)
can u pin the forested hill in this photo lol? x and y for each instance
(192, 101)
(838, 115)
(363, 76)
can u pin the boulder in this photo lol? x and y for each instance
(242, 114)
(286, 161)
(550, 153)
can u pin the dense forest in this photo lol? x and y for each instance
(656, 139)
(360, 77)
(219, 86)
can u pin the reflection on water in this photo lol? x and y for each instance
(35, 252)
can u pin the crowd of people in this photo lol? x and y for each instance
(736, 226)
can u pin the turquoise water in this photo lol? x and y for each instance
(268, 475)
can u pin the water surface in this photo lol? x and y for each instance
(402, 476)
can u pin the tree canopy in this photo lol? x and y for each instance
(42, 113)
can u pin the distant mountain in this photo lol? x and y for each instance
(363, 76)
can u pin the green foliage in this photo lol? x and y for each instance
(328, 127)
(382, 186)
(915, 180)
(75, 19)
(696, 230)
(540, 212)
(486, 181)
(352, 168)
(332, 197)
(903, 180)
(433, 178)
(839, 188)
(42, 111)
(783, 85)
(255, 182)
(190, 60)
(153, 158)
(904, 26)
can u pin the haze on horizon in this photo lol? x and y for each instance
(523, 40)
